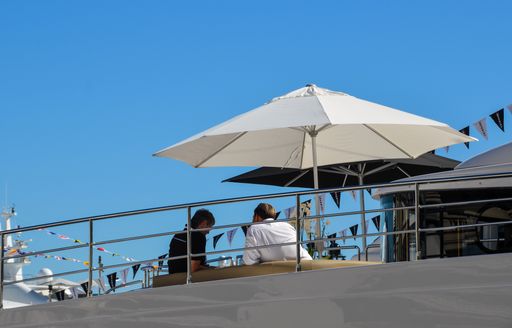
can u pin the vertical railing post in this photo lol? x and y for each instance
(298, 230)
(2, 245)
(417, 216)
(189, 245)
(91, 242)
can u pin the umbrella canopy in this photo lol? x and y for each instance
(312, 126)
(347, 174)
(283, 133)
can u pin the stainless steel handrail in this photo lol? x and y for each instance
(298, 221)
(248, 198)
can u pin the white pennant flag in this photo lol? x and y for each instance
(321, 202)
(101, 284)
(289, 211)
(74, 292)
(481, 127)
(343, 233)
(124, 276)
(230, 235)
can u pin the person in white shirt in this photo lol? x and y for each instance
(271, 233)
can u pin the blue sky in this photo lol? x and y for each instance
(89, 90)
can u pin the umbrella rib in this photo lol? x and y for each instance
(345, 170)
(387, 140)
(238, 136)
(403, 171)
(296, 178)
(302, 150)
(380, 168)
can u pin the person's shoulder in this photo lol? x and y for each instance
(198, 234)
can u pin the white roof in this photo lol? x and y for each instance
(495, 161)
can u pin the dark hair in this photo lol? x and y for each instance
(200, 216)
(265, 211)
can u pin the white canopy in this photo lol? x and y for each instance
(348, 130)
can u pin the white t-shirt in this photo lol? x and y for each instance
(271, 234)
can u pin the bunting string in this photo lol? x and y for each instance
(78, 241)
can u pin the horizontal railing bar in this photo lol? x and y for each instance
(248, 198)
(466, 226)
(312, 217)
(134, 282)
(120, 265)
(154, 235)
(67, 273)
(241, 249)
(51, 250)
(376, 234)
(468, 202)
(243, 224)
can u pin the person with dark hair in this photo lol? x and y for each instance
(202, 219)
(270, 232)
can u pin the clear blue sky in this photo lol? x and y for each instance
(89, 90)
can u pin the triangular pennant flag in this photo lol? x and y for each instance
(85, 287)
(353, 230)
(332, 243)
(343, 234)
(376, 222)
(161, 263)
(216, 239)
(124, 275)
(60, 295)
(74, 293)
(135, 268)
(481, 127)
(101, 284)
(244, 229)
(305, 208)
(289, 212)
(369, 191)
(353, 193)
(230, 235)
(499, 118)
(466, 132)
(277, 214)
(321, 203)
(112, 280)
(336, 197)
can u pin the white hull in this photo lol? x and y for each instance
(456, 292)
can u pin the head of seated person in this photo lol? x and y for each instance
(202, 219)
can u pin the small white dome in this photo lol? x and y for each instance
(45, 272)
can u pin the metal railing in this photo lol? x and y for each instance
(298, 220)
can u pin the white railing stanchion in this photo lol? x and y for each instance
(2, 245)
(298, 230)
(91, 242)
(189, 245)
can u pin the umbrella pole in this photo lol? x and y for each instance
(318, 228)
(361, 204)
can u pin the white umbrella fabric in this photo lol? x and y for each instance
(311, 127)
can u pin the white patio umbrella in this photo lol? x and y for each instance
(311, 127)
